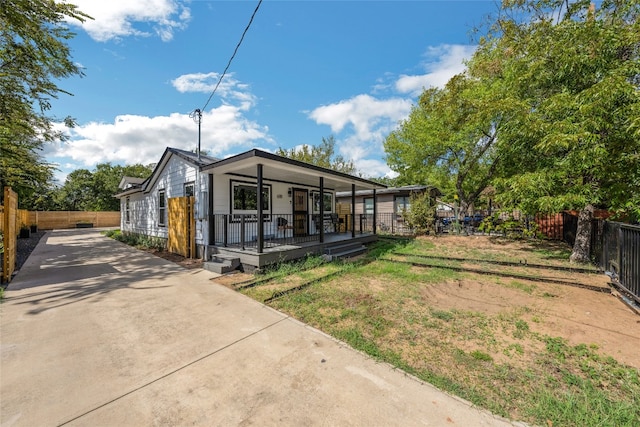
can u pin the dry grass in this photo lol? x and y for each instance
(526, 349)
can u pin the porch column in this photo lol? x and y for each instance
(212, 230)
(259, 201)
(321, 210)
(375, 210)
(353, 211)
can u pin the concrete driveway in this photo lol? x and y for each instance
(95, 333)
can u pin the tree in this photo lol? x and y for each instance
(449, 140)
(323, 155)
(77, 192)
(33, 57)
(422, 214)
(572, 74)
(94, 190)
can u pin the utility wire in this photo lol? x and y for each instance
(232, 56)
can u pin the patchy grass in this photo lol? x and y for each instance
(490, 340)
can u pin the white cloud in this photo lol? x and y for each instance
(140, 139)
(114, 19)
(362, 123)
(364, 113)
(229, 89)
(442, 63)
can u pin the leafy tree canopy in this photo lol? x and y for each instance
(571, 73)
(86, 190)
(449, 140)
(323, 155)
(33, 57)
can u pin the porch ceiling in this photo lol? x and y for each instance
(282, 169)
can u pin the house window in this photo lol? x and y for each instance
(127, 211)
(368, 206)
(189, 189)
(162, 208)
(327, 202)
(403, 204)
(245, 198)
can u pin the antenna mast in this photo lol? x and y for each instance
(196, 115)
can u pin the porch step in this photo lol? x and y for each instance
(222, 264)
(345, 250)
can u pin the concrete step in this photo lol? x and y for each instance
(222, 264)
(346, 250)
(341, 247)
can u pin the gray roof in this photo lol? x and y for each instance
(390, 190)
(192, 157)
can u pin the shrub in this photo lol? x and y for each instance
(422, 215)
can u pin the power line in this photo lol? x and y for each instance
(232, 56)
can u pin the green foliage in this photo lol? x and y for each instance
(323, 155)
(86, 190)
(33, 58)
(570, 75)
(422, 214)
(510, 227)
(449, 140)
(138, 240)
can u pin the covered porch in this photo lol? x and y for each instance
(295, 201)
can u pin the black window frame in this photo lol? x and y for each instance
(188, 185)
(250, 215)
(162, 208)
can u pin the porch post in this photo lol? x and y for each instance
(353, 211)
(212, 230)
(259, 201)
(321, 210)
(375, 210)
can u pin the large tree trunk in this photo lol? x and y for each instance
(582, 245)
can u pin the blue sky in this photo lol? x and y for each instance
(305, 70)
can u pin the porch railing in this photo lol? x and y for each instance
(241, 230)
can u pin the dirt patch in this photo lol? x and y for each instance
(233, 279)
(189, 263)
(581, 316)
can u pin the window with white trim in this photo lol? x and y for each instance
(127, 210)
(368, 205)
(327, 202)
(162, 208)
(244, 199)
(403, 204)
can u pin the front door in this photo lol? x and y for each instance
(300, 212)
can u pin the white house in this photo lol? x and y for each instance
(297, 204)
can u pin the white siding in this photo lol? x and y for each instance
(144, 206)
(280, 201)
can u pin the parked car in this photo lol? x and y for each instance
(473, 220)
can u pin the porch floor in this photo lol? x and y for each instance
(276, 250)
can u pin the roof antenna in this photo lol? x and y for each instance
(196, 115)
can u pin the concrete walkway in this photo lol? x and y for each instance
(95, 333)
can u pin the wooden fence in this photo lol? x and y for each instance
(49, 220)
(10, 227)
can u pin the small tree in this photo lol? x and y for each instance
(323, 155)
(421, 216)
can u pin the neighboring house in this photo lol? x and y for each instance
(227, 202)
(445, 210)
(389, 204)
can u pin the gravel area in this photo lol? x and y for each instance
(26, 246)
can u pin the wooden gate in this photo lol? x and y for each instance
(10, 234)
(182, 227)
